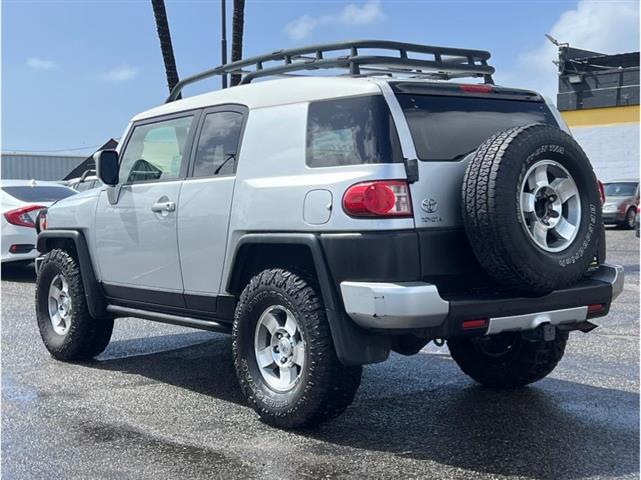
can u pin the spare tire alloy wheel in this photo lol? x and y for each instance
(531, 209)
(550, 206)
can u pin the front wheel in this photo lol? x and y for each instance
(507, 360)
(66, 328)
(284, 355)
(630, 219)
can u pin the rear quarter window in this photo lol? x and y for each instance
(351, 131)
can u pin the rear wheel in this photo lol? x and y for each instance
(507, 360)
(284, 355)
(66, 328)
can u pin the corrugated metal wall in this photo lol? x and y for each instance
(39, 167)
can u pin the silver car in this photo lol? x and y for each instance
(621, 200)
(326, 221)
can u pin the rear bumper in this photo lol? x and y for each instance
(419, 305)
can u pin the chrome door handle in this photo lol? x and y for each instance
(160, 207)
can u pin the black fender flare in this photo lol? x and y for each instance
(94, 295)
(354, 345)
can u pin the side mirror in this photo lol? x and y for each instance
(107, 166)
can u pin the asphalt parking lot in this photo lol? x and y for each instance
(162, 402)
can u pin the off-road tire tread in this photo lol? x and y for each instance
(87, 337)
(332, 386)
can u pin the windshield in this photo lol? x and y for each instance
(620, 189)
(446, 128)
(45, 193)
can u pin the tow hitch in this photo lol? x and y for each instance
(545, 332)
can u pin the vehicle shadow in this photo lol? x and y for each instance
(18, 272)
(423, 408)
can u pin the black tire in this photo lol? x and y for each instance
(86, 337)
(492, 216)
(630, 219)
(324, 387)
(507, 360)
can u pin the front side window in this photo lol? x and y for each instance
(351, 131)
(155, 151)
(217, 150)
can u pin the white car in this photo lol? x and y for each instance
(21, 202)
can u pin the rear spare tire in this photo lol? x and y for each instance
(531, 209)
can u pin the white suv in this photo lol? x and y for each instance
(326, 220)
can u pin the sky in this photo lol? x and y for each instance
(74, 72)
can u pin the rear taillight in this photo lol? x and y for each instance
(23, 216)
(601, 191)
(381, 198)
(41, 220)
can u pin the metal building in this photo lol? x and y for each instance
(599, 99)
(37, 166)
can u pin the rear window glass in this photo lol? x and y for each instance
(446, 128)
(620, 189)
(39, 193)
(351, 131)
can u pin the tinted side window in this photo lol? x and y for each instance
(351, 131)
(217, 150)
(155, 151)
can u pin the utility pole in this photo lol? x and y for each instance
(223, 42)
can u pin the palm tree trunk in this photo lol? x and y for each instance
(165, 43)
(237, 23)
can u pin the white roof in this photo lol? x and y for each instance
(272, 92)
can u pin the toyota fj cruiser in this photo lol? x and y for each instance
(325, 221)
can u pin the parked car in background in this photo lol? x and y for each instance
(87, 181)
(21, 202)
(621, 200)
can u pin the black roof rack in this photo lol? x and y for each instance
(443, 63)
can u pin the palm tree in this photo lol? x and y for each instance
(165, 43)
(237, 23)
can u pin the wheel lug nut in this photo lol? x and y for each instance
(283, 360)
